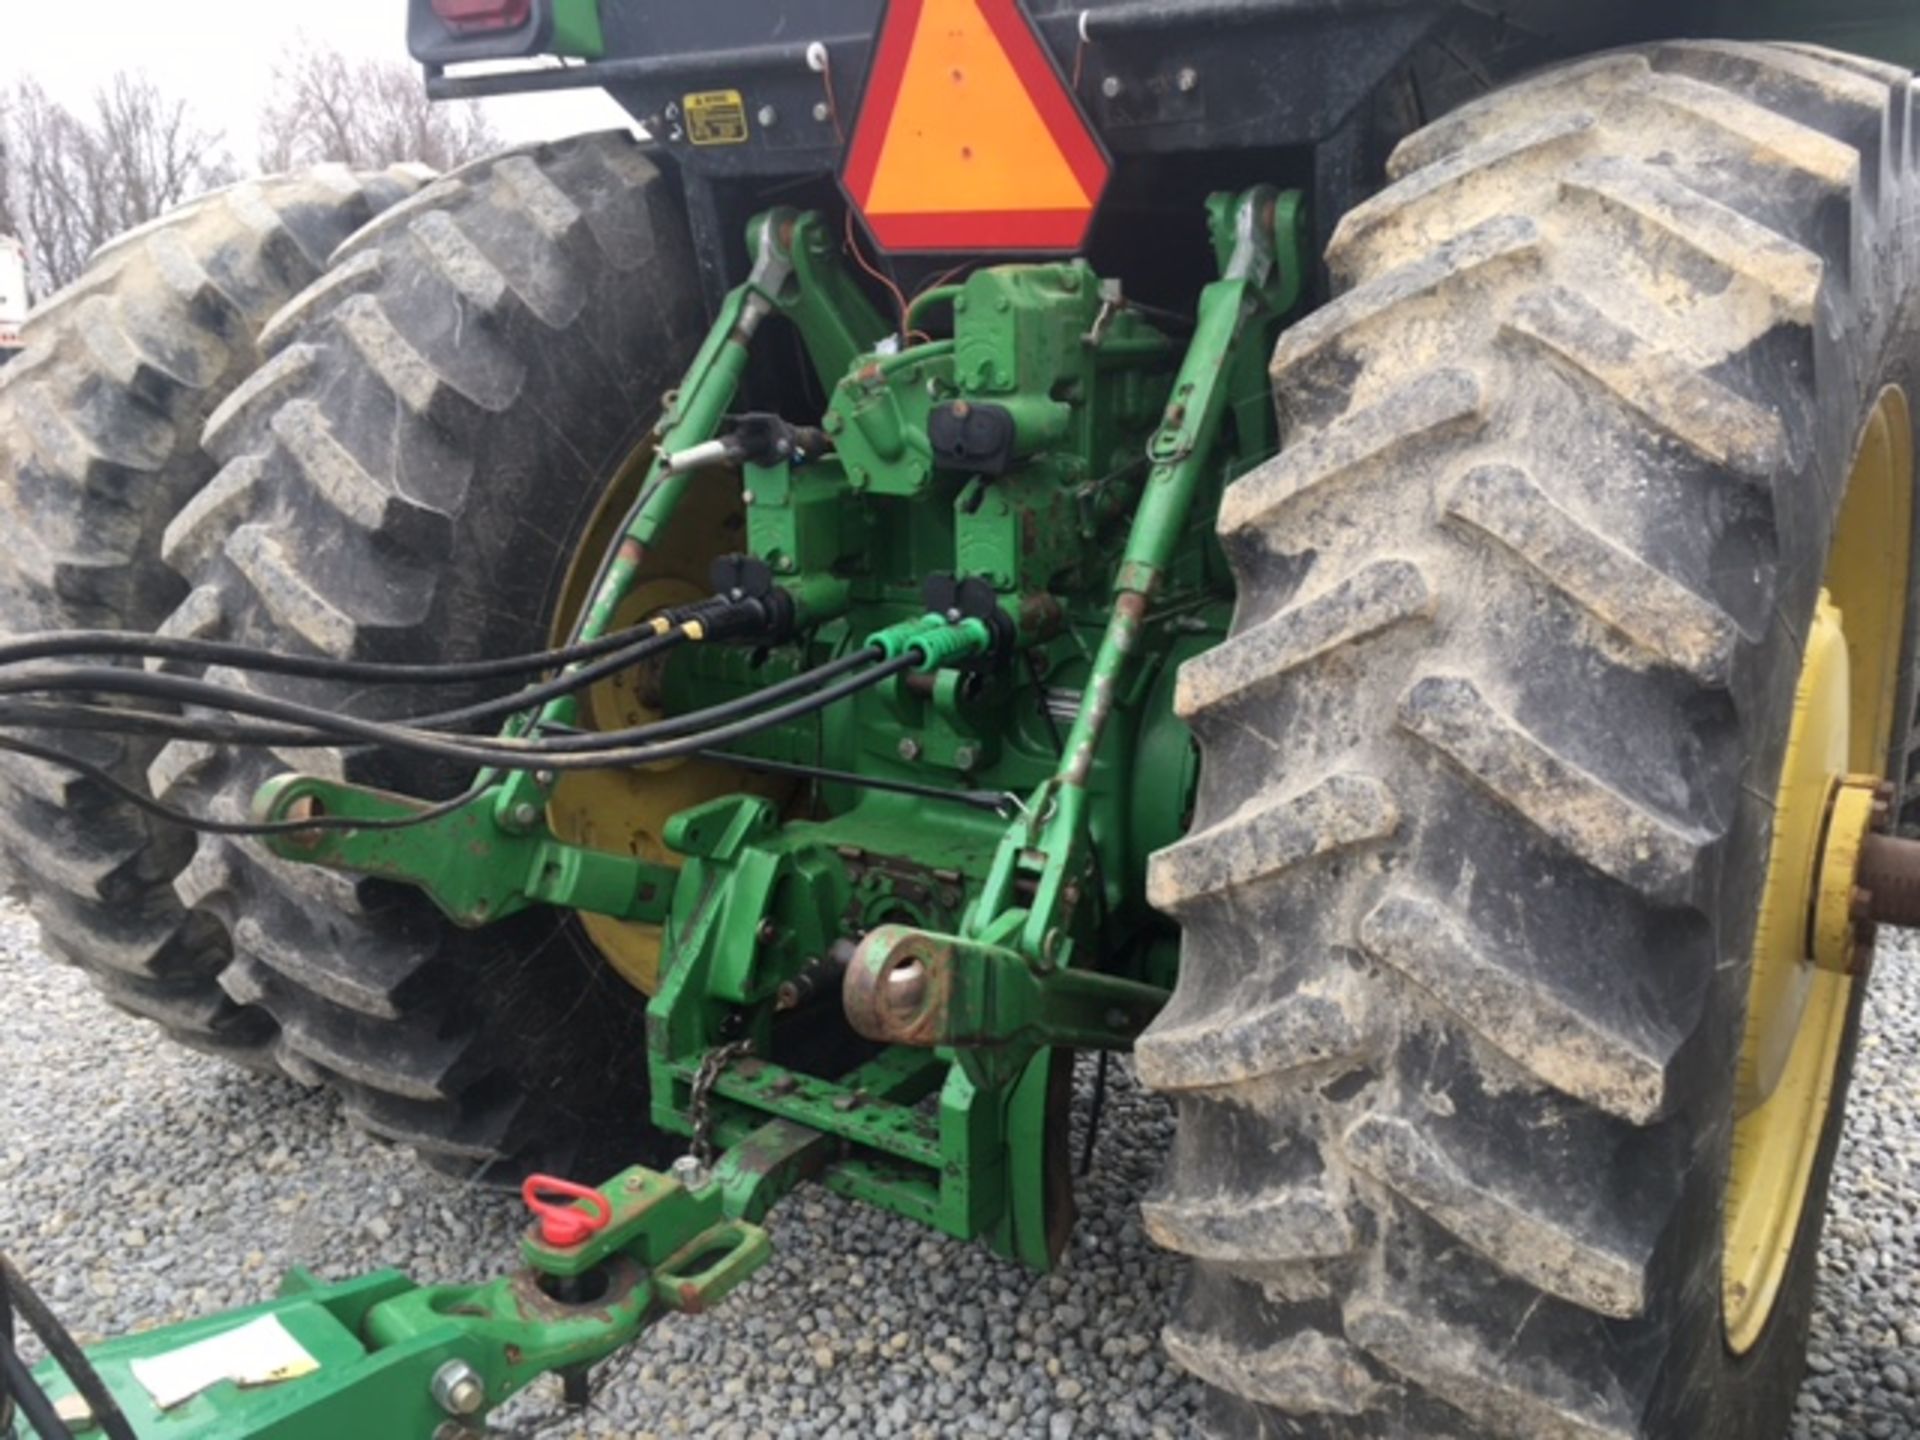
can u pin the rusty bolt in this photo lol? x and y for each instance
(1860, 904)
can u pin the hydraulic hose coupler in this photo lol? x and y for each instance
(757, 608)
(937, 640)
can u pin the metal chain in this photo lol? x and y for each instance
(717, 1059)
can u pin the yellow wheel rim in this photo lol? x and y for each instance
(626, 811)
(1796, 1010)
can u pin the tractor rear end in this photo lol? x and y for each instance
(920, 570)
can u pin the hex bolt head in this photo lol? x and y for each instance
(690, 1172)
(768, 117)
(909, 748)
(966, 757)
(525, 814)
(458, 1388)
(821, 113)
(1188, 80)
(1111, 87)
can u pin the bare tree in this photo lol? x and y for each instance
(8, 224)
(363, 112)
(74, 182)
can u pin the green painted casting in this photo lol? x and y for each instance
(1081, 571)
(475, 869)
(380, 1341)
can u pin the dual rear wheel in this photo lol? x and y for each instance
(1507, 1092)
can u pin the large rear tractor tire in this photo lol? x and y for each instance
(1501, 1112)
(406, 479)
(100, 420)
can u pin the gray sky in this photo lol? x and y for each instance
(217, 54)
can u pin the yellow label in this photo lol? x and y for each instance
(716, 117)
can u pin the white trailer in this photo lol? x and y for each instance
(13, 295)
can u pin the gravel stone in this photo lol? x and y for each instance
(146, 1184)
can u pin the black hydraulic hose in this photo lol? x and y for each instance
(66, 1354)
(167, 725)
(326, 735)
(566, 683)
(498, 755)
(63, 644)
(996, 802)
(18, 1385)
(183, 690)
(697, 720)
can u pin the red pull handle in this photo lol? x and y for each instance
(561, 1225)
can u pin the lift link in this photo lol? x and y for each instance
(1257, 238)
(383, 1356)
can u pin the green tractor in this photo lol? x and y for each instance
(1361, 554)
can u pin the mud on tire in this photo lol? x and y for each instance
(100, 420)
(404, 479)
(1489, 755)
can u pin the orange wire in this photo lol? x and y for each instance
(833, 104)
(893, 289)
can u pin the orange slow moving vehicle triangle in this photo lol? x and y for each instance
(968, 139)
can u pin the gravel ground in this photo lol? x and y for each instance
(144, 1184)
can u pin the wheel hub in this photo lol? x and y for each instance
(1831, 875)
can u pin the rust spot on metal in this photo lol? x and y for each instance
(896, 990)
(305, 807)
(623, 1277)
(1890, 874)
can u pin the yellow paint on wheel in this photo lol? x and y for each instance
(626, 811)
(1843, 716)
